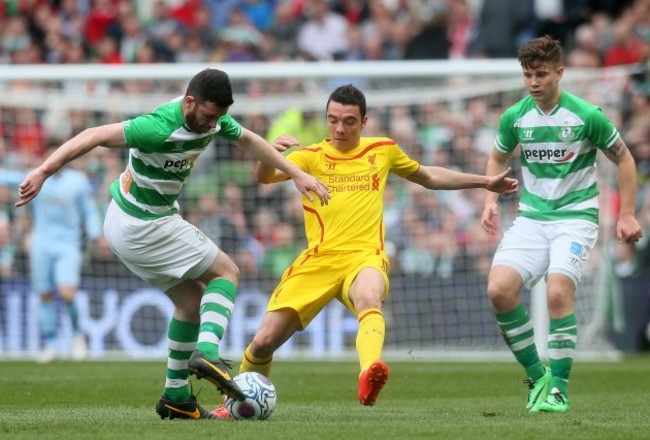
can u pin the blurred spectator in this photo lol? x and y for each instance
(324, 35)
(558, 18)
(27, 136)
(635, 128)
(626, 47)
(161, 23)
(72, 15)
(71, 52)
(210, 219)
(478, 248)
(284, 30)
(463, 151)
(231, 205)
(354, 11)
(445, 246)
(168, 49)
(585, 52)
(402, 127)
(291, 212)
(428, 251)
(103, 166)
(431, 42)
(307, 127)
(183, 12)
(127, 32)
(220, 11)
(459, 29)
(433, 134)
(384, 33)
(357, 48)
(641, 151)
(108, 51)
(203, 27)
(14, 37)
(240, 38)
(602, 25)
(194, 51)
(259, 13)
(281, 252)
(416, 257)
(265, 222)
(101, 15)
(145, 53)
(498, 27)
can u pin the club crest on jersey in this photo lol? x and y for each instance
(567, 133)
(371, 160)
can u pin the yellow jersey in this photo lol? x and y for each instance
(353, 219)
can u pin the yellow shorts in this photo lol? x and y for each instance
(313, 281)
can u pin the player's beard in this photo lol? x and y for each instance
(192, 123)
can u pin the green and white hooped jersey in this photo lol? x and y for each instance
(162, 153)
(558, 156)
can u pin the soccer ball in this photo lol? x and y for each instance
(261, 397)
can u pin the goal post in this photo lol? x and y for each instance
(440, 112)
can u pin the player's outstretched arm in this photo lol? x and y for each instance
(110, 135)
(444, 178)
(265, 173)
(628, 229)
(273, 162)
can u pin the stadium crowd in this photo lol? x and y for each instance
(597, 32)
(431, 234)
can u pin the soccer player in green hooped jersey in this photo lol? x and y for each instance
(559, 135)
(345, 258)
(145, 231)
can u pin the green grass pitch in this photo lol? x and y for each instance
(317, 400)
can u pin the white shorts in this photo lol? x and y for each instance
(163, 252)
(536, 248)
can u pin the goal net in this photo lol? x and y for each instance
(441, 113)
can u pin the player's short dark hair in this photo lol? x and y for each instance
(541, 50)
(349, 95)
(211, 85)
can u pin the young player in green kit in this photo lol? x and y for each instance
(558, 135)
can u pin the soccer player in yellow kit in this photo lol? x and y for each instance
(346, 258)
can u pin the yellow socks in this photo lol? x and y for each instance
(370, 336)
(259, 365)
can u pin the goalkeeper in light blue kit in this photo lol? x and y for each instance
(144, 229)
(559, 136)
(64, 214)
